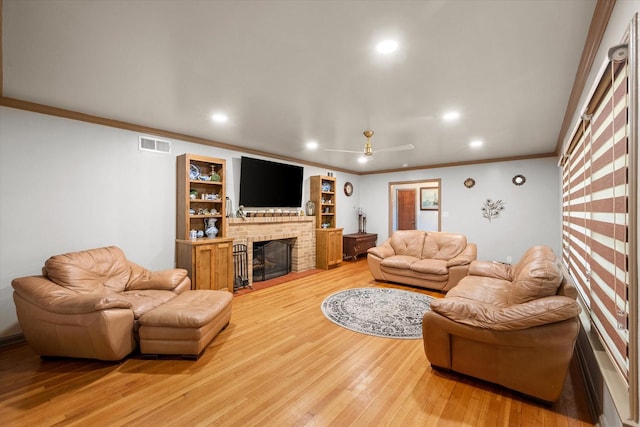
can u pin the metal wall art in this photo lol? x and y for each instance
(492, 209)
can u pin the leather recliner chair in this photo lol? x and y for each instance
(512, 325)
(86, 304)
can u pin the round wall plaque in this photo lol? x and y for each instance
(348, 189)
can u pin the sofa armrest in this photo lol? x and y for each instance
(516, 317)
(383, 251)
(469, 254)
(53, 298)
(167, 280)
(491, 269)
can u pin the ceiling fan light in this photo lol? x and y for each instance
(362, 159)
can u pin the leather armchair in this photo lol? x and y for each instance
(86, 304)
(513, 325)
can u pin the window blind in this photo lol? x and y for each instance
(595, 217)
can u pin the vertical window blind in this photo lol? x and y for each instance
(595, 212)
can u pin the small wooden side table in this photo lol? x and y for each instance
(357, 243)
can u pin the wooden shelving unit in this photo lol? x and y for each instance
(201, 195)
(328, 237)
(323, 194)
(208, 195)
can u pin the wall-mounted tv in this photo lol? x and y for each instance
(266, 184)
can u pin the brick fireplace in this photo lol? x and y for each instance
(301, 229)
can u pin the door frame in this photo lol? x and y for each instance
(419, 182)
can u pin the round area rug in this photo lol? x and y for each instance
(382, 312)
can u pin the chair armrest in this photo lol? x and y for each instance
(491, 269)
(53, 298)
(168, 280)
(469, 254)
(516, 317)
(383, 251)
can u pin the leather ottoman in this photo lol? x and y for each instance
(186, 324)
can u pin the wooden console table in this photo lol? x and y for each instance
(358, 243)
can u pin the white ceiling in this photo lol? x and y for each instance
(289, 71)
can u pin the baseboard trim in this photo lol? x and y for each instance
(12, 340)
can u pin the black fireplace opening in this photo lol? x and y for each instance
(271, 259)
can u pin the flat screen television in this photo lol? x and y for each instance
(266, 184)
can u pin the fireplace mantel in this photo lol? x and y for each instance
(259, 229)
(270, 219)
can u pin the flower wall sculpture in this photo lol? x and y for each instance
(492, 209)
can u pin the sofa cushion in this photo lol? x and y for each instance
(408, 242)
(537, 275)
(399, 261)
(481, 289)
(142, 301)
(439, 245)
(101, 270)
(430, 266)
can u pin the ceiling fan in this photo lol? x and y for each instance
(368, 149)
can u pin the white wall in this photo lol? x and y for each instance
(67, 186)
(530, 216)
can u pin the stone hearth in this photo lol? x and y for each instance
(259, 229)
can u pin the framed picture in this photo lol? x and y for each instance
(429, 198)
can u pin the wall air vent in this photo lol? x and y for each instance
(155, 145)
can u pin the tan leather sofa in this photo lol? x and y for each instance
(86, 304)
(513, 325)
(433, 260)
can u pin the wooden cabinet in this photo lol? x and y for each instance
(200, 195)
(357, 243)
(328, 247)
(208, 261)
(323, 194)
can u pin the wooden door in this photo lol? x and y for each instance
(406, 209)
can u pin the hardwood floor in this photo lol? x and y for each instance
(280, 362)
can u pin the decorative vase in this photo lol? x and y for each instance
(310, 208)
(210, 225)
(214, 175)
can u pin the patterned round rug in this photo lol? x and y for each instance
(383, 312)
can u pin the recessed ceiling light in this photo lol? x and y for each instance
(362, 159)
(387, 46)
(220, 118)
(405, 165)
(451, 116)
(312, 145)
(476, 143)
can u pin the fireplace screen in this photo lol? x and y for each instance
(271, 259)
